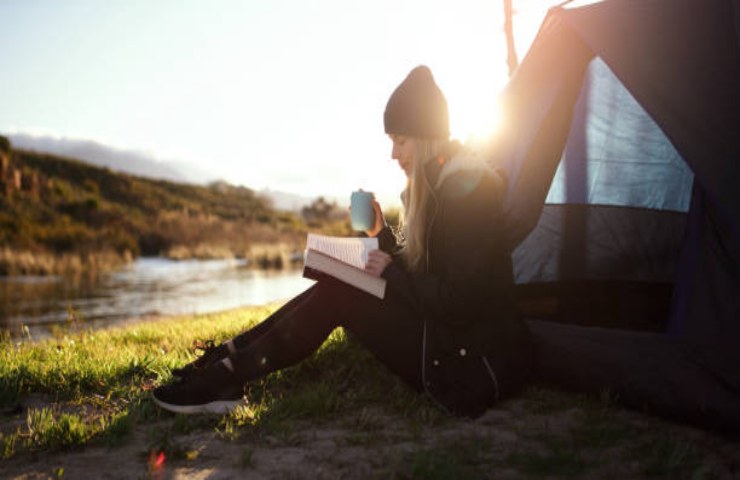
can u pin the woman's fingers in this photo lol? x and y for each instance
(379, 220)
(377, 260)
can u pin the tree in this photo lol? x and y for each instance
(4, 144)
(321, 210)
(511, 58)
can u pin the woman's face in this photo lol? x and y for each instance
(403, 152)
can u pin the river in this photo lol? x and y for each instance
(32, 306)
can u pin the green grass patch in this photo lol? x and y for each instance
(560, 458)
(665, 456)
(460, 459)
(46, 431)
(246, 459)
(101, 379)
(668, 455)
(97, 384)
(164, 441)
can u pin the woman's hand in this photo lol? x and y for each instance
(377, 260)
(379, 220)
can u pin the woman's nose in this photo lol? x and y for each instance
(394, 152)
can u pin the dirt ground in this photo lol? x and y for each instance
(509, 441)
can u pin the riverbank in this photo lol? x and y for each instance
(264, 256)
(35, 306)
(78, 406)
(23, 262)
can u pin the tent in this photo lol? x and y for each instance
(623, 156)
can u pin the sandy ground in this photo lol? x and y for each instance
(372, 444)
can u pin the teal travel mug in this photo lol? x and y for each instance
(363, 214)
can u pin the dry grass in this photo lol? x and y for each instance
(20, 262)
(274, 255)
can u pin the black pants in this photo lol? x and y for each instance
(646, 371)
(388, 328)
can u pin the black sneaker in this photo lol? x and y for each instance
(210, 390)
(211, 354)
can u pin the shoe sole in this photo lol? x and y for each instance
(218, 407)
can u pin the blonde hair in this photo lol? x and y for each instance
(417, 204)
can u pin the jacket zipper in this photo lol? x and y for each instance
(493, 376)
(424, 329)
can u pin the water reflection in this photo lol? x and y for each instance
(149, 286)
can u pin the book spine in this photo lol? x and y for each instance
(318, 275)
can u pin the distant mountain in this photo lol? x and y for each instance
(285, 201)
(127, 161)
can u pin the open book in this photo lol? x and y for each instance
(344, 259)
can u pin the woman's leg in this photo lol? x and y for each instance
(214, 354)
(393, 334)
(244, 339)
(386, 327)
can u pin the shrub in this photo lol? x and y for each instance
(4, 144)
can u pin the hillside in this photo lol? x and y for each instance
(56, 205)
(130, 161)
(141, 164)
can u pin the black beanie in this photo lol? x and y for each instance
(418, 108)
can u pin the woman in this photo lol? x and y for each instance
(448, 325)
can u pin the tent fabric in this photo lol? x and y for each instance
(628, 244)
(736, 8)
(643, 370)
(706, 309)
(538, 104)
(679, 61)
(616, 154)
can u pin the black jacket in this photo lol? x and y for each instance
(476, 348)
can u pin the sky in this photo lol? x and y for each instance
(286, 95)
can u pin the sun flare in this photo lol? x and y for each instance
(473, 85)
(473, 101)
(476, 121)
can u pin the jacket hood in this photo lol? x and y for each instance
(468, 164)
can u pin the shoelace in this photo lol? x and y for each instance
(206, 347)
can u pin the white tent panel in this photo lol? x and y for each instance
(621, 157)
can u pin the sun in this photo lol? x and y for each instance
(473, 103)
(476, 119)
(473, 82)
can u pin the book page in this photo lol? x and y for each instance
(352, 250)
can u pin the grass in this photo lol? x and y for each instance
(560, 458)
(82, 389)
(24, 262)
(99, 381)
(461, 459)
